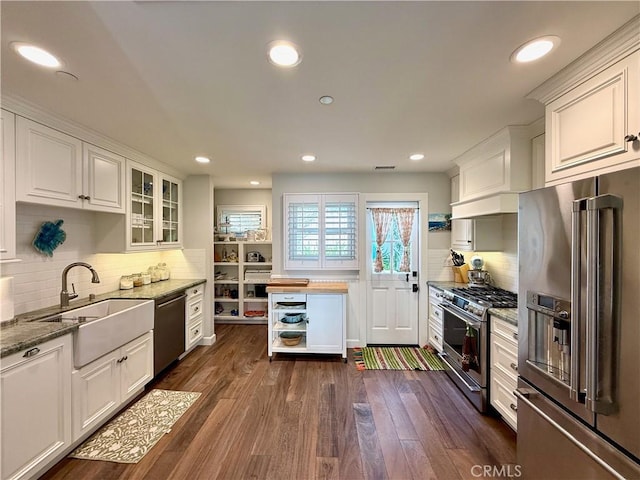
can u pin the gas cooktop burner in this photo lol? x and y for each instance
(488, 296)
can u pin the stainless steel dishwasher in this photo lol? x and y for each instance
(168, 330)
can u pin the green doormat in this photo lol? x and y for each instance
(129, 436)
(396, 358)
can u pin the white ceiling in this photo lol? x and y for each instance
(179, 79)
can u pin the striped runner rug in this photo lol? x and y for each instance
(396, 358)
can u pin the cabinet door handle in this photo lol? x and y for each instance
(630, 138)
(196, 309)
(513, 407)
(515, 336)
(31, 352)
(514, 366)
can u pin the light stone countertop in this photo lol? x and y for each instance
(509, 315)
(25, 332)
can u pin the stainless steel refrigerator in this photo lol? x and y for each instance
(579, 329)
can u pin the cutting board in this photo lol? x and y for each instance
(288, 282)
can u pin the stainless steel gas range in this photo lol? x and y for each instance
(465, 336)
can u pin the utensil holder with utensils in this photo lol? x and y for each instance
(460, 273)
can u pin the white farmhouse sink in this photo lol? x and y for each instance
(106, 326)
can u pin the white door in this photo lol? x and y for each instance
(392, 293)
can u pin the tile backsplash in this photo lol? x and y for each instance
(37, 278)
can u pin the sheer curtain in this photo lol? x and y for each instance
(381, 222)
(404, 217)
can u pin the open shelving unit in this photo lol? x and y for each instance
(239, 284)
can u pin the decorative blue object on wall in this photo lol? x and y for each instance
(49, 237)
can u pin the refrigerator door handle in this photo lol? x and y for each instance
(601, 350)
(579, 206)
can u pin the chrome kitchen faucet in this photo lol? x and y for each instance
(65, 296)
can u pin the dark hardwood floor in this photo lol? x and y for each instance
(307, 417)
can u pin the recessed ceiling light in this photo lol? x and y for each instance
(416, 156)
(326, 100)
(535, 49)
(254, 182)
(202, 159)
(284, 54)
(308, 158)
(36, 55)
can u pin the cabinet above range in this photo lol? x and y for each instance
(493, 173)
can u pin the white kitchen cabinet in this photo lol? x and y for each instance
(36, 407)
(54, 168)
(435, 319)
(323, 326)
(478, 234)
(587, 126)
(103, 179)
(8, 183)
(153, 219)
(503, 373)
(154, 214)
(500, 164)
(104, 385)
(194, 313)
(239, 284)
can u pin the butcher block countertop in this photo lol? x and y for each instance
(311, 287)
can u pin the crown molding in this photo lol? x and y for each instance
(615, 47)
(25, 108)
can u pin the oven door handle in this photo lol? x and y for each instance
(453, 311)
(473, 388)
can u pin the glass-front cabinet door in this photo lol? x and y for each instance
(171, 195)
(143, 213)
(154, 215)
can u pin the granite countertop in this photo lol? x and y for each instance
(443, 285)
(23, 332)
(509, 315)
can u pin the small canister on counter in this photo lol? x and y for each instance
(137, 280)
(146, 278)
(155, 274)
(126, 282)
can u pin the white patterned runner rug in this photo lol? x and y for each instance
(129, 436)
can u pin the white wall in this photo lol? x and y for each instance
(503, 266)
(436, 186)
(245, 196)
(38, 278)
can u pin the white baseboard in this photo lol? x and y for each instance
(208, 340)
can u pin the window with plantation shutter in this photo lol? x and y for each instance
(239, 219)
(321, 231)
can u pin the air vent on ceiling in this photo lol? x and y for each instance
(380, 168)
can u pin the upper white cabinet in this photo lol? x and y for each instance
(492, 173)
(154, 212)
(54, 168)
(103, 179)
(595, 125)
(499, 164)
(7, 181)
(478, 234)
(36, 407)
